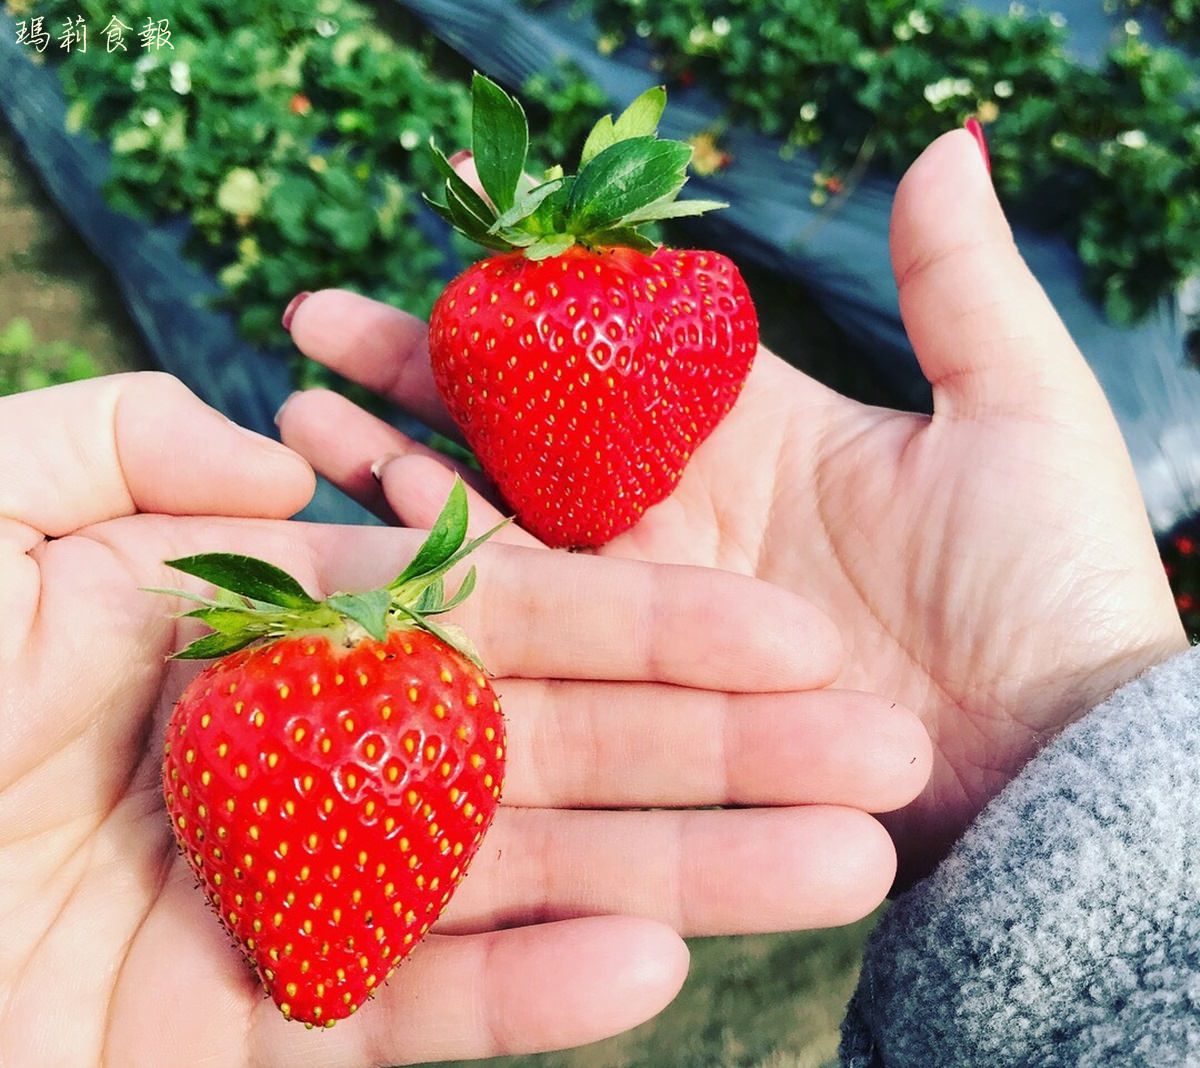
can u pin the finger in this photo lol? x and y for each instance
(416, 487)
(343, 442)
(376, 345)
(563, 615)
(653, 746)
(539, 614)
(703, 872)
(81, 453)
(521, 991)
(985, 333)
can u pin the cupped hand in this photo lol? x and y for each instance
(626, 686)
(991, 565)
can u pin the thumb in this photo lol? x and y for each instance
(985, 334)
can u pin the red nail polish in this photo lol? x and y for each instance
(975, 129)
(289, 313)
(461, 156)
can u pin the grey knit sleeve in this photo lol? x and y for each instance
(1064, 927)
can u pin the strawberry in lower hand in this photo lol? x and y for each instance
(583, 364)
(331, 776)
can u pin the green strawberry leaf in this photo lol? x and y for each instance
(169, 592)
(516, 238)
(499, 139)
(527, 205)
(464, 591)
(474, 544)
(550, 217)
(671, 209)
(369, 610)
(229, 621)
(474, 202)
(431, 597)
(640, 119)
(552, 245)
(627, 236)
(442, 209)
(600, 137)
(213, 645)
(623, 178)
(469, 223)
(245, 575)
(453, 636)
(444, 539)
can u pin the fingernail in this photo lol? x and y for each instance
(378, 466)
(286, 401)
(975, 129)
(461, 156)
(289, 313)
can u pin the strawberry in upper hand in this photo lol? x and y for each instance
(330, 783)
(584, 364)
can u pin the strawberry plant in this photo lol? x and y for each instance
(293, 144)
(27, 363)
(1110, 156)
(289, 144)
(583, 363)
(330, 777)
(1180, 17)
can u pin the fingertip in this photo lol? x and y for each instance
(912, 747)
(860, 863)
(232, 470)
(304, 309)
(416, 488)
(645, 963)
(601, 974)
(802, 647)
(950, 173)
(946, 200)
(759, 638)
(293, 410)
(893, 752)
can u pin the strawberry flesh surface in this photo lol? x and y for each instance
(585, 382)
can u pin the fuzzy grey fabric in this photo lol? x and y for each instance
(1064, 927)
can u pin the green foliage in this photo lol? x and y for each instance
(26, 363)
(292, 143)
(1181, 17)
(1109, 156)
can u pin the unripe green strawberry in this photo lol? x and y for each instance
(330, 783)
(583, 364)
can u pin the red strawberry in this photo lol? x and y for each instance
(583, 364)
(329, 786)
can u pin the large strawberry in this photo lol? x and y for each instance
(330, 783)
(584, 364)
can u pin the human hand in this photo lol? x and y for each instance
(991, 566)
(613, 675)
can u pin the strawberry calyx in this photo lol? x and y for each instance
(257, 601)
(627, 177)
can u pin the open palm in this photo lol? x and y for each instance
(109, 955)
(991, 566)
